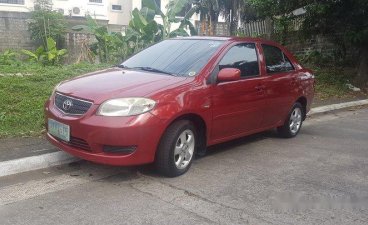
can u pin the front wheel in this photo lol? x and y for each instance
(176, 149)
(294, 122)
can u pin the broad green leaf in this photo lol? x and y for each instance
(39, 51)
(179, 32)
(190, 13)
(139, 20)
(151, 4)
(62, 52)
(186, 23)
(148, 14)
(51, 43)
(175, 6)
(150, 30)
(174, 20)
(51, 56)
(30, 54)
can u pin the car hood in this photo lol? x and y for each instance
(116, 83)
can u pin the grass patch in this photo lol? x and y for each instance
(24, 90)
(331, 82)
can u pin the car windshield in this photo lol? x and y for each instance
(180, 57)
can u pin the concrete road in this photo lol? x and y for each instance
(319, 177)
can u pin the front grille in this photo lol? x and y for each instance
(77, 143)
(70, 105)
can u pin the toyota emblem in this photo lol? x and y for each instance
(67, 104)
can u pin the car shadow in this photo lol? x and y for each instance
(149, 170)
(243, 141)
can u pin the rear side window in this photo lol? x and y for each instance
(276, 60)
(243, 57)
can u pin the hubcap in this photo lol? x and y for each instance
(184, 149)
(295, 120)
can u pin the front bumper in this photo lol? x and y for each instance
(92, 133)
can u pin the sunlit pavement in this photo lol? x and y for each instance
(319, 177)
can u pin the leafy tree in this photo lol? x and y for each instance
(46, 23)
(209, 13)
(233, 10)
(347, 22)
(279, 11)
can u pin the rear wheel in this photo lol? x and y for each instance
(294, 122)
(176, 149)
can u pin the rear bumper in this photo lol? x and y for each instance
(92, 133)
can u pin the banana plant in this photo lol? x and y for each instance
(49, 56)
(106, 40)
(143, 27)
(173, 9)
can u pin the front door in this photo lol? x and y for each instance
(237, 105)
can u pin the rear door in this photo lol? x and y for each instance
(237, 105)
(280, 85)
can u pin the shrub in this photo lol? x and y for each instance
(9, 57)
(46, 23)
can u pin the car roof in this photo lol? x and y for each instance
(230, 39)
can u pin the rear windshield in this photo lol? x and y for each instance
(177, 56)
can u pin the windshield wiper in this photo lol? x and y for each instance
(150, 69)
(122, 66)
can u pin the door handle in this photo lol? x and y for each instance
(294, 80)
(259, 87)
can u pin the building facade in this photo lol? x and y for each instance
(115, 13)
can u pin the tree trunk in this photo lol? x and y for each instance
(362, 78)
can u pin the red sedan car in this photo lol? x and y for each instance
(173, 99)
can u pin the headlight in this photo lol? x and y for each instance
(126, 107)
(56, 86)
(54, 90)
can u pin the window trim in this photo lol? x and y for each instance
(102, 3)
(217, 67)
(13, 4)
(284, 56)
(116, 10)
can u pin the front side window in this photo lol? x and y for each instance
(243, 57)
(276, 60)
(181, 57)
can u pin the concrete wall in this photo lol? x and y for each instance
(14, 31)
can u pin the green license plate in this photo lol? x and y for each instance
(59, 130)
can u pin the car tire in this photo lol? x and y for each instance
(293, 123)
(176, 150)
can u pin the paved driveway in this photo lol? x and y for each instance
(319, 177)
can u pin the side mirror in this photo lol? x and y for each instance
(228, 74)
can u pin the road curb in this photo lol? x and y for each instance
(58, 158)
(328, 108)
(26, 164)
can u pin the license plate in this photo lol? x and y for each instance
(59, 130)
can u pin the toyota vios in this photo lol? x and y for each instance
(173, 99)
